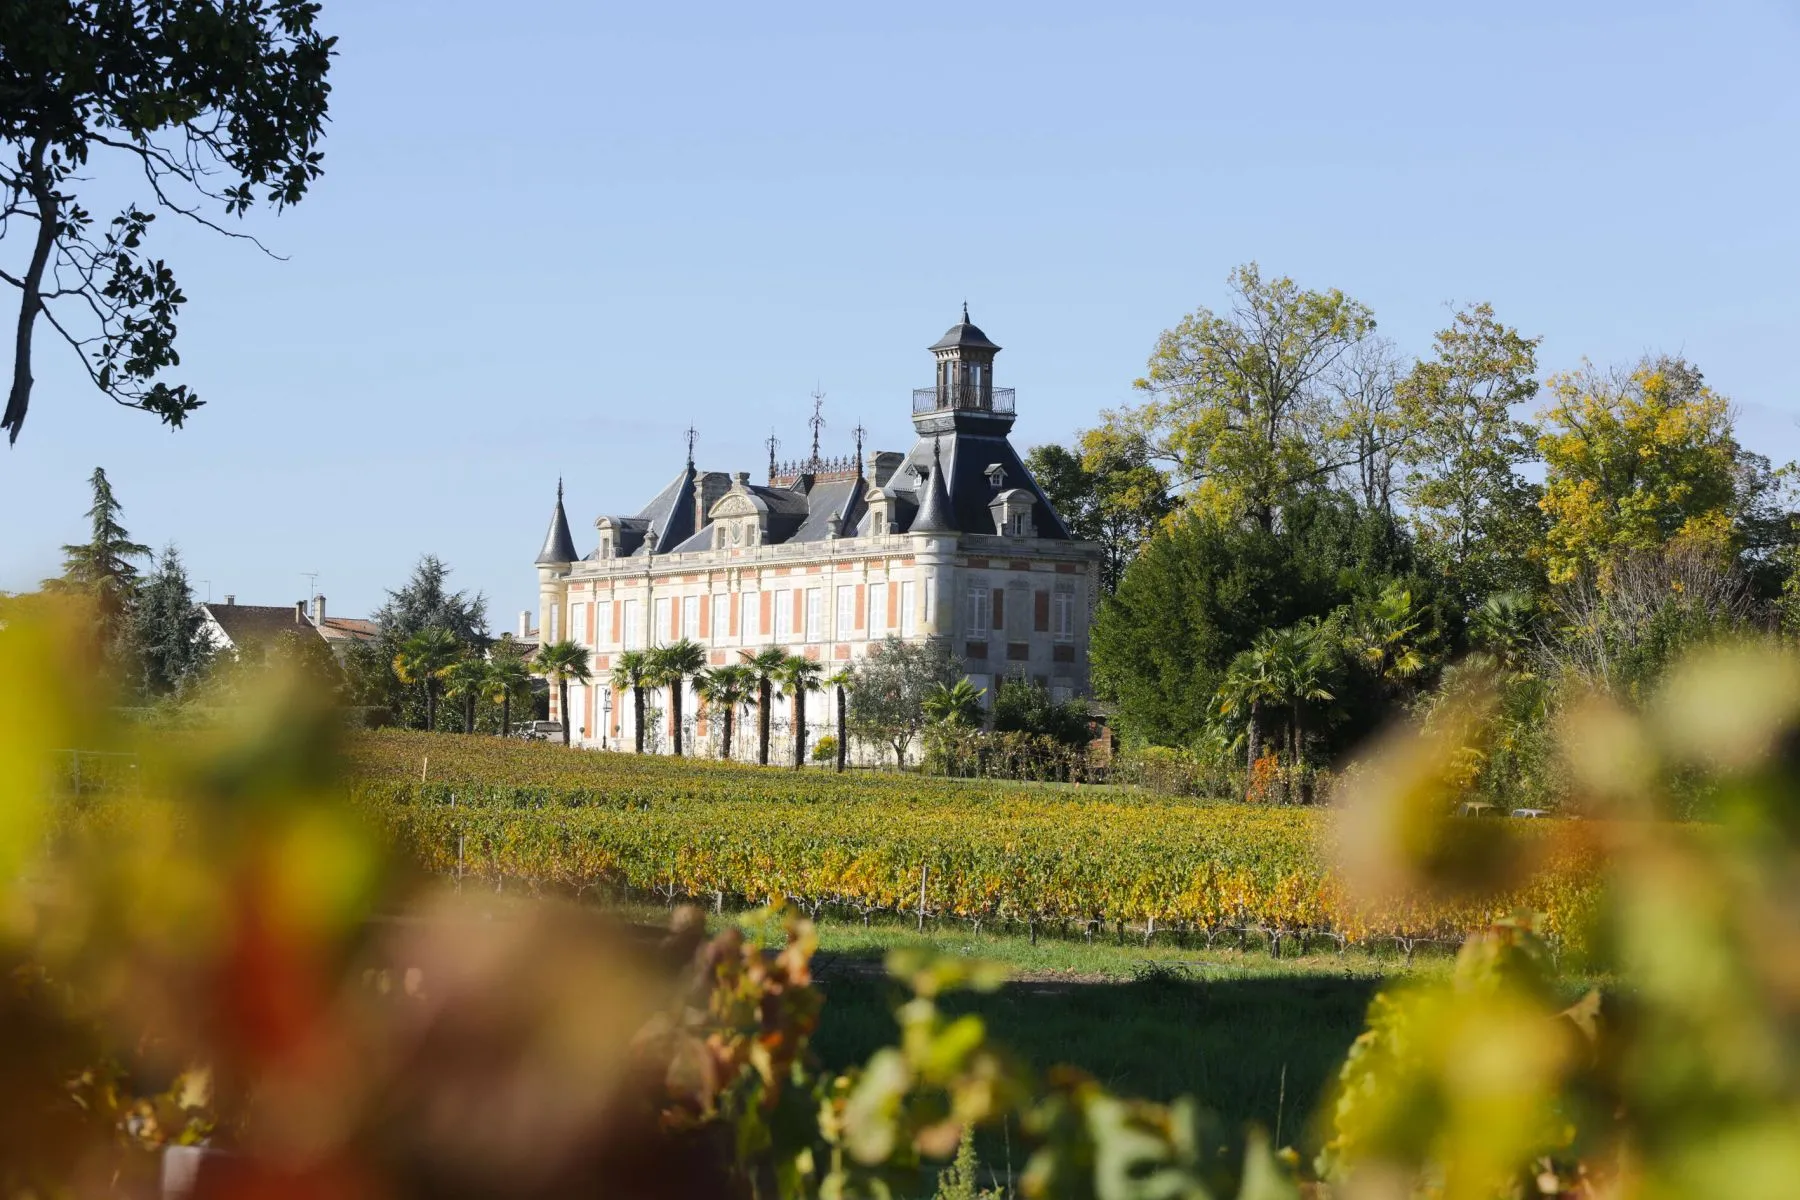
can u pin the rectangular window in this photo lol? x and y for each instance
(1064, 613)
(909, 616)
(721, 634)
(980, 611)
(999, 609)
(633, 635)
(665, 613)
(690, 616)
(784, 616)
(815, 615)
(603, 623)
(1040, 611)
(578, 620)
(846, 612)
(877, 609)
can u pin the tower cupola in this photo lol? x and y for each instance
(965, 377)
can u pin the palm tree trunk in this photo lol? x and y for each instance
(675, 711)
(1299, 735)
(1255, 735)
(799, 728)
(764, 698)
(469, 713)
(725, 724)
(430, 707)
(562, 690)
(506, 714)
(843, 728)
(637, 715)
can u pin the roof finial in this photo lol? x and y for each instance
(817, 421)
(559, 489)
(772, 443)
(692, 434)
(860, 432)
(965, 312)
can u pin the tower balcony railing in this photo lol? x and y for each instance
(931, 399)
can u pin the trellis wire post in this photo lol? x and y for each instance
(924, 870)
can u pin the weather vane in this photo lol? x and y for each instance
(772, 443)
(817, 420)
(860, 433)
(692, 436)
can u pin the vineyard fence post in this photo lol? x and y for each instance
(924, 871)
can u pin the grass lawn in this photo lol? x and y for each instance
(1255, 1039)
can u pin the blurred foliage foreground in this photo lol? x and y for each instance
(224, 954)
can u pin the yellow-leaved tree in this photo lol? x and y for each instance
(1635, 460)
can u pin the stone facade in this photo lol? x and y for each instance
(952, 540)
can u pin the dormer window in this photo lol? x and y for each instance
(996, 475)
(1014, 513)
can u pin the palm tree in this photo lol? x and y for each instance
(1384, 635)
(724, 688)
(842, 682)
(506, 677)
(1301, 659)
(466, 679)
(1505, 626)
(763, 668)
(423, 658)
(958, 703)
(672, 666)
(560, 662)
(631, 672)
(1249, 684)
(798, 676)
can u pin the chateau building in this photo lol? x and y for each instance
(951, 540)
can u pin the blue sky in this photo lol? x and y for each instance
(552, 234)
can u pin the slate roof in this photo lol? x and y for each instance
(965, 458)
(935, 514)
(559, 547)
(965, 335)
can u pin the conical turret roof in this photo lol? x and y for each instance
(934, 515)
(963, 335)
(559, 547)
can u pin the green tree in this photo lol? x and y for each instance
(423, 659)
(1110, 494)
(467, 680)
(631, 673)
(1207, 586)
(1023, 705)
(559, 662)
(841, 682)
(1635, 460)
(168, 629)
(764, 670)
(1476, 516)
(507, 677)
(425, 601)
(725, 689)
(213, 103)
(671, 667)
(103, 568)
(955, 704)
(1241, 405)
(798, 676)
(887, 703)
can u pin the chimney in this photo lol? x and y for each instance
(230, 599)
(709, 488)
(318, 611)
(886, 462)
(299, 612)
(524, 622)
